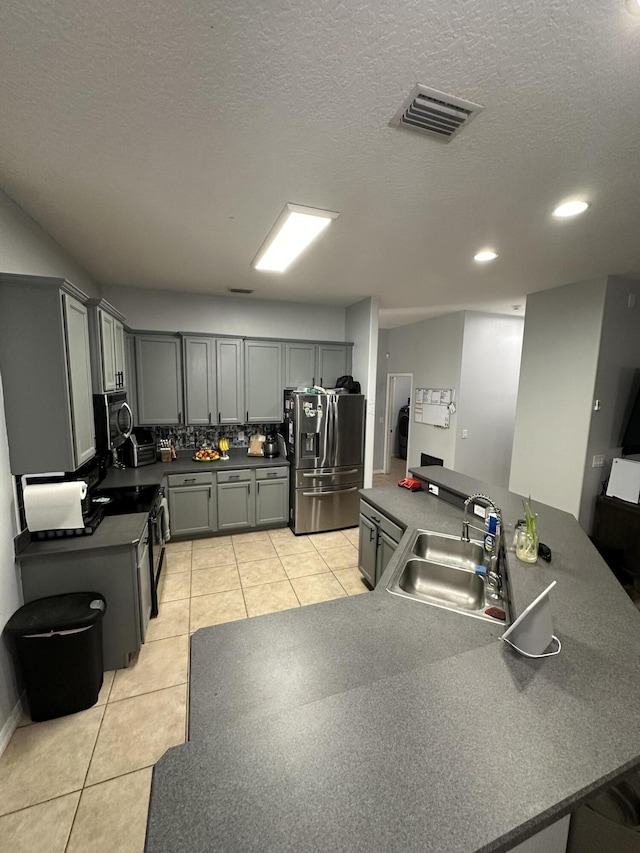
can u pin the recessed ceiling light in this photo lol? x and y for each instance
(294, 229)
(633, 6)
(485, 255)
(570, 208)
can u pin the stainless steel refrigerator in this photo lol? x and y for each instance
(324, 434)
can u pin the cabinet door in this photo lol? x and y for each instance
(79, 373)
(333, 361)
(368, 542)
(159, 375)
(199, 379)
(119, 356)
(386, 550)
(229, 381)
(130, 374)
(300, 365)
(272, 501)
(236, 507)
(192, 510)
(263, 382)
(108, 351)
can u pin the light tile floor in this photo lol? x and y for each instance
(82, 782)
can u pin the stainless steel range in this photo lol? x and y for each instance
(324, 434)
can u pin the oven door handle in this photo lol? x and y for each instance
(128, 431)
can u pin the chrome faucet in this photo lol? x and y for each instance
(489, 504)
(494, 580)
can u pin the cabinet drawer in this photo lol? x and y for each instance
(385, 524)
(239, 476)
(204, 478)
(272, 473)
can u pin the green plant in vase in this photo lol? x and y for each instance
(527, 539)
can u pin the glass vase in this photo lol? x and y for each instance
(527, 545)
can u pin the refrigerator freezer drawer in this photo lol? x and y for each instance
(322, 478)
(317, 510)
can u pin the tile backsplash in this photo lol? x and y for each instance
(190, 437)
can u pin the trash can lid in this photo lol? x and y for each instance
(57, 613)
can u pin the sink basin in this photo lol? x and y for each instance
(439, 570)
(459, 589)
(448, 551)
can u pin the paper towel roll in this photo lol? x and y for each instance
(54, 506)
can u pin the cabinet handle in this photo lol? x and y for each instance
(249, 488)
(189, 479)
(313, 381)
(209, 417)
(272, 474)
(247, 420)
(218, 417)
(371, 531)
(234, 476)
(258, 486)
(179, 417)
(321, 385)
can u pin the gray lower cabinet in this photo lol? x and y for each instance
(236, 500)
(272, 496)
(378, 540)
(120, 574)
(264, 381)
(159, 380)
(46, 374)
(192, 504)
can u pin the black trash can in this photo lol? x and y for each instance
(59, 645)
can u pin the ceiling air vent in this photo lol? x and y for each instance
(239, 290)
(435, 113)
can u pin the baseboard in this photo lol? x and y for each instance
(12, 723)
(378, 471)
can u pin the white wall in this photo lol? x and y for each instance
(619, 359)
(488, 394)
(557, 376)
(162, 310)
(381, 398)
(432, 351)
(362, 328)
(26, 249)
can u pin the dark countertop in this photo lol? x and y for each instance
(378, 723)
(149, 474)
(112, 532)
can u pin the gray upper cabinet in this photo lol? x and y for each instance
(300, 365)
(199, 380)
(263, 381)
(130, 374)
(334, 361)
(107, 347)
(159, 380)
(46, 374)
(230, 381)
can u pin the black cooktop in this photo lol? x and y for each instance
(122, 501)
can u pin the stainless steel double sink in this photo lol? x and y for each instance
(440, 570)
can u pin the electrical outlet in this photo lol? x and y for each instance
(432, 489)
(480, 510)
(598, 461)
(632, 300)
(597, 405)
(465, 433)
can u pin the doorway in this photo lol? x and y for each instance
(397, 422)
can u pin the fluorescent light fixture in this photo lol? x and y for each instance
(570, 208)
(633, 6)
(485, 255)
(294, 229)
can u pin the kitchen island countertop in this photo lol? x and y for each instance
(377, 723)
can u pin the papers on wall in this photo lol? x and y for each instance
(433, 406)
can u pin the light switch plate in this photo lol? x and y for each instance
(598, 461)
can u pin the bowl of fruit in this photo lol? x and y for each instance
(206, 454)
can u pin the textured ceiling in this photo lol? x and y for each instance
(157, 142)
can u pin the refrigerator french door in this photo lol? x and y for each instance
(325, 443)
